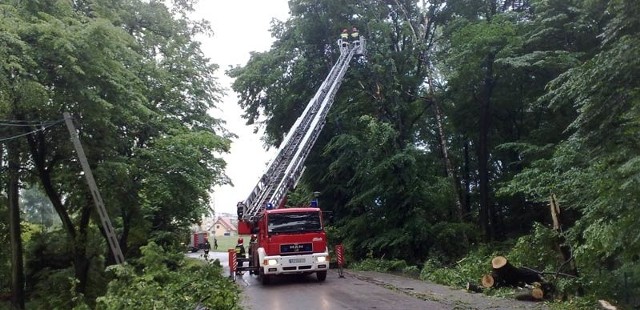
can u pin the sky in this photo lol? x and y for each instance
(240, 26)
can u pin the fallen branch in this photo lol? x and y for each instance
(473, 288)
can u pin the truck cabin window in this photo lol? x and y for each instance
(294, 222)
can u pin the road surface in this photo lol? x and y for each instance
(359, 290)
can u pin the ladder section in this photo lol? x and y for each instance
(294, 170)
(285, 170)
(291, 141)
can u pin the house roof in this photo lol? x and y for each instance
(225, 222)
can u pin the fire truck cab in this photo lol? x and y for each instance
(291, 241)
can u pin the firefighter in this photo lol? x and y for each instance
(240, 252)
(344, 35)
(355, 36)
(207, 247)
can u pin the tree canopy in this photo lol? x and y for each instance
(142, 96)
(462, 120)
(453, 131)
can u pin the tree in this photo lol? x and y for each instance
(140, 90)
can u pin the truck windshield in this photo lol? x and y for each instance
(294, 222)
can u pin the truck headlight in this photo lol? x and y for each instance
(270, 262)
(321, 259)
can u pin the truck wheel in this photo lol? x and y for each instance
(265, 279)
(321, 275)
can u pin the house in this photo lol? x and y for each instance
(223, 227)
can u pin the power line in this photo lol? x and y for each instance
(24, 123)
(44, 127)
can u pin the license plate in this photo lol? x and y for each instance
(296, 260)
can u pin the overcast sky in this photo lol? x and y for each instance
(240, 26)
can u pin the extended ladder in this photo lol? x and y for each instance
(285, 170)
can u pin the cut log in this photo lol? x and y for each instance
(537, 293)
(506, 274)
(530, 294)
(537, 290)
(500, 262)
(473, 288)
(488, 281)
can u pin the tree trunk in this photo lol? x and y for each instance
(451, 173)
(17, 264)
(506, 274)
(486, 208)
(81, 261)
(38, 150)
(467, 180)
(561, 242)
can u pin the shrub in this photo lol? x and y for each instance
(380, 265)
(165, 281)
(469, 269)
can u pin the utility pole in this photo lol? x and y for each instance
(97, 199)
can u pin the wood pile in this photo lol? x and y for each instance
(530, 283)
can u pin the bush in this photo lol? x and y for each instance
(380, 265)
(165, 281)
(469, 269)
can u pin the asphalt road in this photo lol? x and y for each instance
(359, 290)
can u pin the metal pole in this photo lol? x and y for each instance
(97, 199)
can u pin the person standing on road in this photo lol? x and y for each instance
(240, 252)
(207, 247)
(215, 243)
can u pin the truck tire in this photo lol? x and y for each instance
(321, 275)
(265, 279)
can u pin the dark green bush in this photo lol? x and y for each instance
(380, 265)
(168, 282)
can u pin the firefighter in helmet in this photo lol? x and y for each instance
(344, 35)
(355, 35)
(240, 252)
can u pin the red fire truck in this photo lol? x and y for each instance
(291, 240)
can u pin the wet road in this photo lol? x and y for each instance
(305, 292)
(300, 292)
(357, 290)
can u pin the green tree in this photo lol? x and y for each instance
(594, 170)
(140, 91)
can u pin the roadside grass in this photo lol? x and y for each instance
(229, 242)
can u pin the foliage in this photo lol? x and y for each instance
(380, 265)
(182, 285)
(139, 91)
(50, 266)
(472, 266)
(537, 250)
(460, 122)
